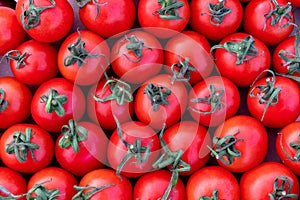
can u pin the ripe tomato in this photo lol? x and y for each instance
(33, 62)
(15, 99)
(51, 183)
(216, 19)
(295, 3)
(164, 18)
(38, 16)
(26, 148)
(104, 184)
(107, 18)
(241, 58)
(187, 55)
(137, 53)
(268, 20)
(270, 180)
(83, 57)
(158, 102)
(56, 102)
(11, 33)
(83, 143)
(213, 100)
(287, 146)
(212, 182)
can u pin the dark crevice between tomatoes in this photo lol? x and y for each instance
(81, 195)
(182, 70)
(38, 191)
(282, 188)
(54, 102)
(217, 12)
(169, 9)
(157, 95)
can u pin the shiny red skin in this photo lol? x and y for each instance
(295, 3)
(115, 17)
(285, 111)
(91, 155)
(43, 155)
(117, 150)
(204, 181)
(18, 108)
(74, 108)
(258, 182)
(121, 190)
(200, 19)
(153, 185)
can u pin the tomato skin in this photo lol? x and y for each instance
(11, 33)
(18, 108)
(122, 188)
(39, 137)
(295, 3)
(204, 181)
(153, 185)
(289, 134)
(258, 182)
(114, 17)
(46, 30)
(200, 18)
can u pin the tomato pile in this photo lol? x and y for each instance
(149, 99)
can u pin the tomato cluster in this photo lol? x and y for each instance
(149, 99)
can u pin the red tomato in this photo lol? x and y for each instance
(53, 182)
(295, 3)
(287, 146)
(241, 66)
(83, 143)
(213, 100)
(212, 182)
(113, 186)
(56, 102)
(11, 33)
(268, 20)
(164, 19)
(38, 17)
(35, 148)
(270, 180)
(216, 19)
(15, 99)
(107, 18)
(83, 57)
(137, 53)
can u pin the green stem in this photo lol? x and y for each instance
(157, 95)
(217, 12)
(9, 195)
(42, 193)
(92, 190)
(293, 145)
(169, 9)
(3, 102)
(82, 3)
(54, 102)
(19, 58)
(214, 196)
(282, 188)
(182, 70)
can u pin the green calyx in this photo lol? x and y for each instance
(217, 12)
(54, 102)
(157, 95)
(19, 58)
(214, 100)
(282, 188)
(293, 145)
(41, 193)
(214, 196)
(80, 195)
(182, 70)
(31, 17)
(72, 135)
(20, 145)
(82, 3)
(3, 102)
(169, 9)
(244, 50)
(9, 195)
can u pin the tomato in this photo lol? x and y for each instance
(268, 20)
(287, 146)
(137, 53)
(158, 102)
(56, 102)
(295, 3)
(107, 18)
(38, 17)
(212, 182)
(104, 184)
(241, 58)
(132, 149)
(164, 18)
(35, 148)
(187, 55)
(213, 100)
(216, 19)
(274, 100)
(11, 33)
(52, 183)
(156, 185)
(15, 99)
(33, 62)
(83, 143)
(270, 180)
(12, 184)
(83, 57)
